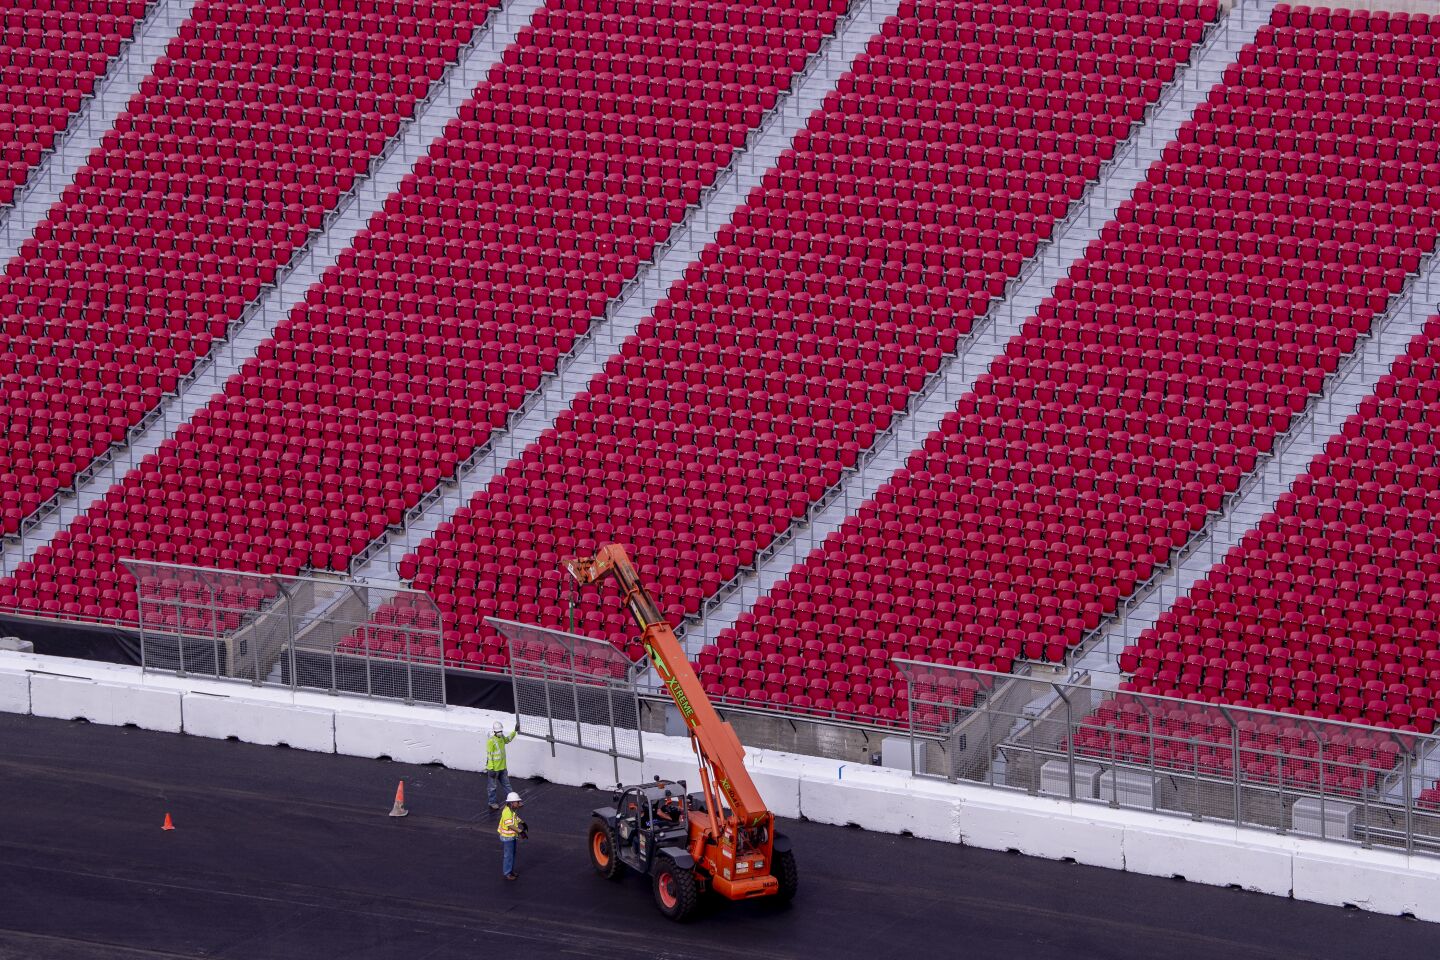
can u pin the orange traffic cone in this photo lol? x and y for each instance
(167, 825)
(399, 809)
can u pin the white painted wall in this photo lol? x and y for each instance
(825, 791)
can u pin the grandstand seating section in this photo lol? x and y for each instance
(253, 125)
(1331, 605)
(560, 176)
(52, 53)
(1288, 211)
(850, 272)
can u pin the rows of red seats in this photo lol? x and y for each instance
(570, 163)
(1330, 606)
(933, 171)
(251, 128)
(52, 53)
(404, 628)
(1288, 211)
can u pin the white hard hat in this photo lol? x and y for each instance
(513, 798)
(498, 728)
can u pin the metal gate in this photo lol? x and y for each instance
(574, 690)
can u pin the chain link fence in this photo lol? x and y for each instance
(574, 690)
(1251, 768)
(321, 633)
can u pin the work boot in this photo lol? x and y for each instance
(512, 876)
(494, 807)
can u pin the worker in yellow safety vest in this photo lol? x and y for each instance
(495, 768)
(511, 830)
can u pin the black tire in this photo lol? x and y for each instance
(788, 874)
(604, 851)
(676, 892)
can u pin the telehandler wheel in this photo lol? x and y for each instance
(788, 875)
(603, 851)
(676, 892)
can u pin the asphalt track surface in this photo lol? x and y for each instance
(280, 854)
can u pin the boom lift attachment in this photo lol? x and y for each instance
(722, 838)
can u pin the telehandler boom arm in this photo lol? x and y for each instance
(722, 758)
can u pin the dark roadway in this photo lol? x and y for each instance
(280, 854)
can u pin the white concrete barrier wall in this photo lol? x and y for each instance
(222, 715)
(406, 738)
(794, 786)
(1212, 854)
(98, 701)
(14, 689)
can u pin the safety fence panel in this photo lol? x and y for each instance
(574, 690)
(196, 621)
(376, 640)
(333, 634)
(1251, 768)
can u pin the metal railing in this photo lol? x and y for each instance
(573, 690)
(314, 633)
(1257, 769)
(158, 18)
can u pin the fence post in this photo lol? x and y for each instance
(614, 746)
(1234, 766)
(1280, 786)
(575, 694)
(1195, 753)
(910, 719)
(254, 644)
(231, 667)
(1364, 807)
(1409, 802)
(1324, 777)
(409, 666)
(140, 618)
(989, 744)
(369, 679)
(549, 707)
(290, 654)
(1069, 737)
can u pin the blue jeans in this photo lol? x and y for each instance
(507, 846)
(500, 778)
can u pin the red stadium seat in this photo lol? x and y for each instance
(1206, 315)
(860, 261)
(52, 54)
(560, 176)
(249, 131)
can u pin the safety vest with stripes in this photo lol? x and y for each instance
(509, 827)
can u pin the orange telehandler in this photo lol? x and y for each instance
(722, 838)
